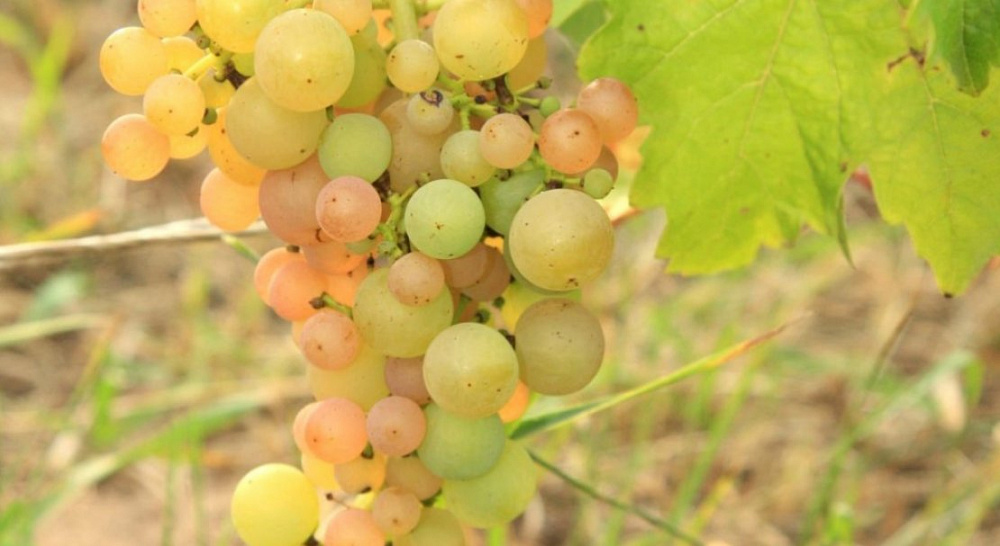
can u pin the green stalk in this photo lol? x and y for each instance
(404, 20)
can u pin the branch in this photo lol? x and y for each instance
(178, 232)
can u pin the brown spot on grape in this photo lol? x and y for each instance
(985, 133)
(640, 27)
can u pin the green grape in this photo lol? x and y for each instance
(549, 105)
(368, 80)
(270, 135)
(559, 346)
(398, 329)
(444, 219)
(235, 24)
(462, 160)
(519, 296)
(598, 183)
(429, 112)
(304, 60)
(362, 382)
(502, 198)
(243, 63)
(470, 369)
(497, 497)
(561, 239)
(275, 505)
(460, 448)
(437, 527)
(357, 145)
(480, 39)
(131, 58)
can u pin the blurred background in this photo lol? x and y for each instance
(137, 386)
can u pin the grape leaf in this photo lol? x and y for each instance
(964, 33)
(760, 109)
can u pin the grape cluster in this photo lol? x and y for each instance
(439, 215)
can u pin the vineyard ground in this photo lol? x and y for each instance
(153, 378)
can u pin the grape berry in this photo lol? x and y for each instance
(439, 215)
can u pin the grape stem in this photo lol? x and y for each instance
(421, 6)
(326, 300)
(404, 20)
(210, 60)
(390, 228)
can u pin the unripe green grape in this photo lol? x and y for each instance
(368, 79)
(398, 329)
(437, 527)
(362, 382)
(304, 60)
(268, 134)
(549, 105)
(429, 112)
(444, 219)
(470, 369)
(462, 159)
(503, 198)
(275, 505)
(497, 497)
(598, 183)
(457, 447)
(480, 39)
(356, 145)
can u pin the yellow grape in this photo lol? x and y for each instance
(411, 474)
(174, 104)
(228, 205)
(217, 93)
(268, 134)
(188, 146)
(353, 527)
(131, 58)
(319, 472)
(362, 382)
(412, 66)
(304, 60)
(225, 156)
(531, 67)
(182, 52)
(275, 505)
(166, 18)
(134, 149)
(235, 24)
(353, 15)
(480, 39)
(396, 511)
(361, 474)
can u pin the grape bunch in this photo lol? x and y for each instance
(439, 213)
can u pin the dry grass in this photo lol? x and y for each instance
(162, 378)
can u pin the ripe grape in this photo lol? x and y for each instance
(531, 67)
(361, 474)
(559, 346)
(368, 78)
(470, 369)
(416, 279)
(561, 239)
(416, 156)
(332, 257)
(396, 426)
(335, 431)
(293, 286)
(304, 60)
(235, 24)
(190, 145)
(274, 505)
(348, 209)
(444, 219)
(228, 205)
(538, 13)
(319, 472)
(270, 262)
(569, 140)
(480, 39)
(412, 65)
(429, 112)
(612, 106)
(353, 527)
(353, 15)
(494, 282)
(167, 17)
(268, 134)
(405, 377)
(225, 156)
(396, 511)
(330, 340)
(411, 474)
(288, 202)
(134, 149)
(174, 104)
(465, 270)
(182, 52)
(506, 141)
(131, 58)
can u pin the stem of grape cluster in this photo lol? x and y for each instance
(421, 6)
(210, 60)
(404, 20)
